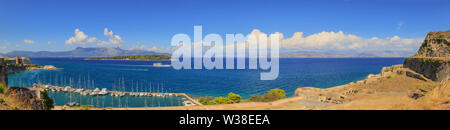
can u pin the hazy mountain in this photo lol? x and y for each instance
(388, 53)
(83, 52)
(107, 52)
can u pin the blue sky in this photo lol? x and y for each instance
(154, 22)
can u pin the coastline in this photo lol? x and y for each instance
(125, 60)
(394, 88)
(329, 97)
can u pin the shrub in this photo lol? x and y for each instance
(2, 101)
(2, 89)
(256, 98)
(439, 37)
(85, 107)
(208, 100)
(14, 108)
(399, 72)
(279, 92)
(233, 98)
(220, 100)
(48, 102)
(271, 95)
(391, 76)
(389, 69)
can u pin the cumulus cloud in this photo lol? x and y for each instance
(332, 42)
(28, 41)
(153, 48)
(341, 41)
(80, 38)
(113, 39)
(144, 47)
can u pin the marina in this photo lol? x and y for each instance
(97, 97)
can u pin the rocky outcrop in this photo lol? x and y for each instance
(337, 95)
(30, 98)
(3, 73)
(433, 58)
(436, 44)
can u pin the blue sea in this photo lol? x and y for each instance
(142, 75)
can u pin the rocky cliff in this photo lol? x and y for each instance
(27, 98)
(3, 73)
(433, 58)
(23, 98)
(436, 44)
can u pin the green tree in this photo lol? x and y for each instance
(220, 100)
(208, 100)
(233, 98)
(256, 98)
(48, 102)
(271, 95)
(280, 92)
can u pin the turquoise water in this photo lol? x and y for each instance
(141, 75)
(62, 98)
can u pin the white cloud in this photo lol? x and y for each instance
(335, 42)
(153, 48)
(341, 41)
(28, 41)
(139, 47)
(113, 39)
(80, 38)
(144, 47)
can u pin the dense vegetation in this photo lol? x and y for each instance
(232, 98)
(439, 37)
(271, 95)
(1, 88)
(132, 57)
(48, 102)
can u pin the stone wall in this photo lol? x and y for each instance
(436, 69)
(433, 58)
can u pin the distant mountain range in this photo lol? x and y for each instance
(83, 52)
(109, 52)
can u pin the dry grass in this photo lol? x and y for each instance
(438, 98)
